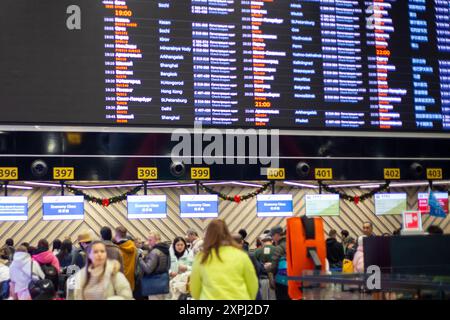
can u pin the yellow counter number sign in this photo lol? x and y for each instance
(9, 173)
(391, 173)
(63, 173)
(323, 173)
(147, 173)
(434, 173)
(200, 174)
(275, 173)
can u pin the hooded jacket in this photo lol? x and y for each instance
(129, 255)
(115, 286)
(47, 257)
(20, 271)
(157, 260)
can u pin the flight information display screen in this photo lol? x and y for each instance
(381, 65)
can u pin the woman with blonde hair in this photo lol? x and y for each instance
(101, 278)
(222, 270)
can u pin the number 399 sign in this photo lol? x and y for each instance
(412, 221)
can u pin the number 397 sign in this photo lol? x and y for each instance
(412, 221)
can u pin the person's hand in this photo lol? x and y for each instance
(182, 268)
(173, 274)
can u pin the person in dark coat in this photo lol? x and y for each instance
(243, 234)
(65, 255)
(335, 251)
(261, 272)
(112, 250)
(157, 261)
(278, 235)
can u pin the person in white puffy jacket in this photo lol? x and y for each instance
(181, 258)
(101, 278)
(21, 274)
(4, 274)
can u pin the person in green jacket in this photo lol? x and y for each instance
(222, 271)
(265, 252)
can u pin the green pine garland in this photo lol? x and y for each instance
(355, 199)
(236, 198)
(104, 201)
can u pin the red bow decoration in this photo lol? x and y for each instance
(237, 198)
(356, 199)
(105, 202)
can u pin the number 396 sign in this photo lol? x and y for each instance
(9, 173)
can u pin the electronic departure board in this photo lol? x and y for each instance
(381, 65)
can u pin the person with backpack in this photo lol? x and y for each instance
(278, 267)
(48, 262)
(22, 271)
(155, 267)
(67, 262)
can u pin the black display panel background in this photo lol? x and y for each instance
(50, 73)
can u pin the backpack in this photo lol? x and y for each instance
(51, 274)
(347, 266)
(281, 276)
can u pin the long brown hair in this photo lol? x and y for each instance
(89, 263)
(217, 235)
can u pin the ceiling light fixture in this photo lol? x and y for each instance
(304, 185)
